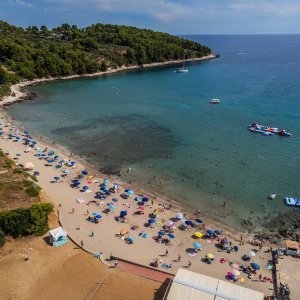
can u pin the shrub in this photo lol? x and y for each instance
(26, 221)
(2, 238)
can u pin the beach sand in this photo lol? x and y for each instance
(143, 250)
(65, 273)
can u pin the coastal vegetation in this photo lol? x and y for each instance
(19, 196)
(26, 221)
(67, 50)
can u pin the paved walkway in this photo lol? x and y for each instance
(144, 272)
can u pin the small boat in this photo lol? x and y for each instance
(214, 101)
(292, 201)
(272, 196)
(283, 132)
(182, 69)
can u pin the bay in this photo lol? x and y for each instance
(160, 124)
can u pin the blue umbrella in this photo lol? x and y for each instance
(123, 213)
(98, 216)
(106, 180)
(170, 235)
(145, 199)
(161, 233)
(199, 221)
(210, 232)
(218, 231)
(129, 192)
(33, 142)
(43, 155)
(111, 206)
(151, 221)
(49, 160)
(18, 138)
(130, 238)
(85, 188)
(84, 172)
(66, 171)
(255, 266)
(26, 132)
(56, 178)
(197, 245)
(188, 222)
(95, 213)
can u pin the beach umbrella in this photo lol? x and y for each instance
(188, 222)
(106, 180)
(236, 273)
(141, 203)
(111, 206)
(95, 213)
(84, 172)
(234, 266)
(151, 221)
(56, 178)
(199, 221)
(170, 235)
(209, 256)
(33, 142)
(197, 245)
(179, 216)
(145, 200)
(1, 132)
(123, 213)
(90, 177)
(198, 234)
(218, 231)
(123, 231)
(161, 233)
(210, 232)
(85, 188)
(49, 160)
(18, 137)
(66, 171)
(252, 253)
(224, 241)
(36, 173)
(26, 132)
(129, 192)
(255, 266)
(130, 239)
(141, 208)
(98, 217)
(29, 165)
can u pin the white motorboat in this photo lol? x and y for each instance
(272, 196)
(215, 101)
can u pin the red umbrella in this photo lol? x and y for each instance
(141, 208)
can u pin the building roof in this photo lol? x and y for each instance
(57, 233)
(194, 286)
(292, 244)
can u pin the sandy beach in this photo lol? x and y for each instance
(105, 237)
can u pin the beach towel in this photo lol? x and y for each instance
(80, 200)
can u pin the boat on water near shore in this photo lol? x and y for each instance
(267, 130)
(272, 196)
(182, 69)
(215, 101)
(292, 201)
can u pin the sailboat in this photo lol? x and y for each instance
(182, 69)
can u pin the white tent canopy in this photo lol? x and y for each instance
(56, 233)
(194, 286)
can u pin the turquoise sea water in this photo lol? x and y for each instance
(161, 125)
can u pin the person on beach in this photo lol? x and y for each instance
(92, 233)
(116, 263)
(73, 210)
(81, 243)
(189, 264)
(179, 258)
(167, 252)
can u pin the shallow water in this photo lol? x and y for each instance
(161, 125)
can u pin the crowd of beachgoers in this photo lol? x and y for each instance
(107, 216)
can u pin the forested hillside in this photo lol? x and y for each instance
(40, 52)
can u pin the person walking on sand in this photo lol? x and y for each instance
(116, 263)
(92, 233)
(167, 252)
(179, 258)
(81, 243)
(73, 210)
(189, 264)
